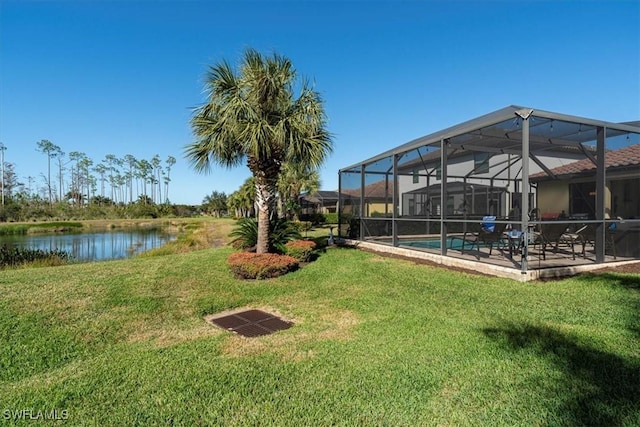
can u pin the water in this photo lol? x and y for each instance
(100, 246)
(452, 243)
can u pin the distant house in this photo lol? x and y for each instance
(319, 202)
(378, 201)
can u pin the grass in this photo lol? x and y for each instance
(376, 341)
(102, 224)
(39, 227)
(196, 235)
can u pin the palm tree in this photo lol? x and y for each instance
(233, 203)
(216, 203)
(247, 197)
(295, 179)
(253, 115)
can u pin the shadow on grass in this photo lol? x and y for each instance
(628, 282)
(599, 388)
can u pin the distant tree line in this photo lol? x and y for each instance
(118, 180)
(77, 186)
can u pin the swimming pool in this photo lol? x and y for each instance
(434, 243)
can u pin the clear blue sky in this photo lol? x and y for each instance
(121, 77)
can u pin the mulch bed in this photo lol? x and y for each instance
(626, 268)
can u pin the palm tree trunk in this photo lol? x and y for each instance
(264, 196)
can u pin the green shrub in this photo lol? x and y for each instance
(331, 218)
(300, 249)
(302, 225)
(246, 234)
(246, 265)
(353, 231)
(315, 219)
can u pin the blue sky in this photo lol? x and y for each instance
(121, 77)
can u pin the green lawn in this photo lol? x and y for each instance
(377, 341)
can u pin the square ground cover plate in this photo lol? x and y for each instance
(251, 323)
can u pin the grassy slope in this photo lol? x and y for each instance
(377, 342)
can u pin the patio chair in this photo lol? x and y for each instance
(588, 235)
(490, 233)
(555, 234)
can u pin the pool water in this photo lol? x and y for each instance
(452, 243)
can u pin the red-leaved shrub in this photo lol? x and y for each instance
(246, 265)
(300, 249)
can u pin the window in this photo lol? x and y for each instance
(416, 177)
(582, 199)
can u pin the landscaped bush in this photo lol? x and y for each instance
(331, 218)
(281, 231)
(315, 218)
(302, 225)
(300, 249)
(247, 265)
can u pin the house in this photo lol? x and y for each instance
(319, 202)
(572, 187)
(510, 163)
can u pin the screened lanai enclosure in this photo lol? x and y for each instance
(519, 188)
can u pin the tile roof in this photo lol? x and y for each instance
(320, 196)
(378, 189)
(624, 157)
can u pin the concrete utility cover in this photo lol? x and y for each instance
(251, 323)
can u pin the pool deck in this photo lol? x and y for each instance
(500, 263)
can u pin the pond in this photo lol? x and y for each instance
(99, 246)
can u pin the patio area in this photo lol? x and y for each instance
(549, 183)
(499, 263)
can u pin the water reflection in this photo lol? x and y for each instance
(93, 246)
